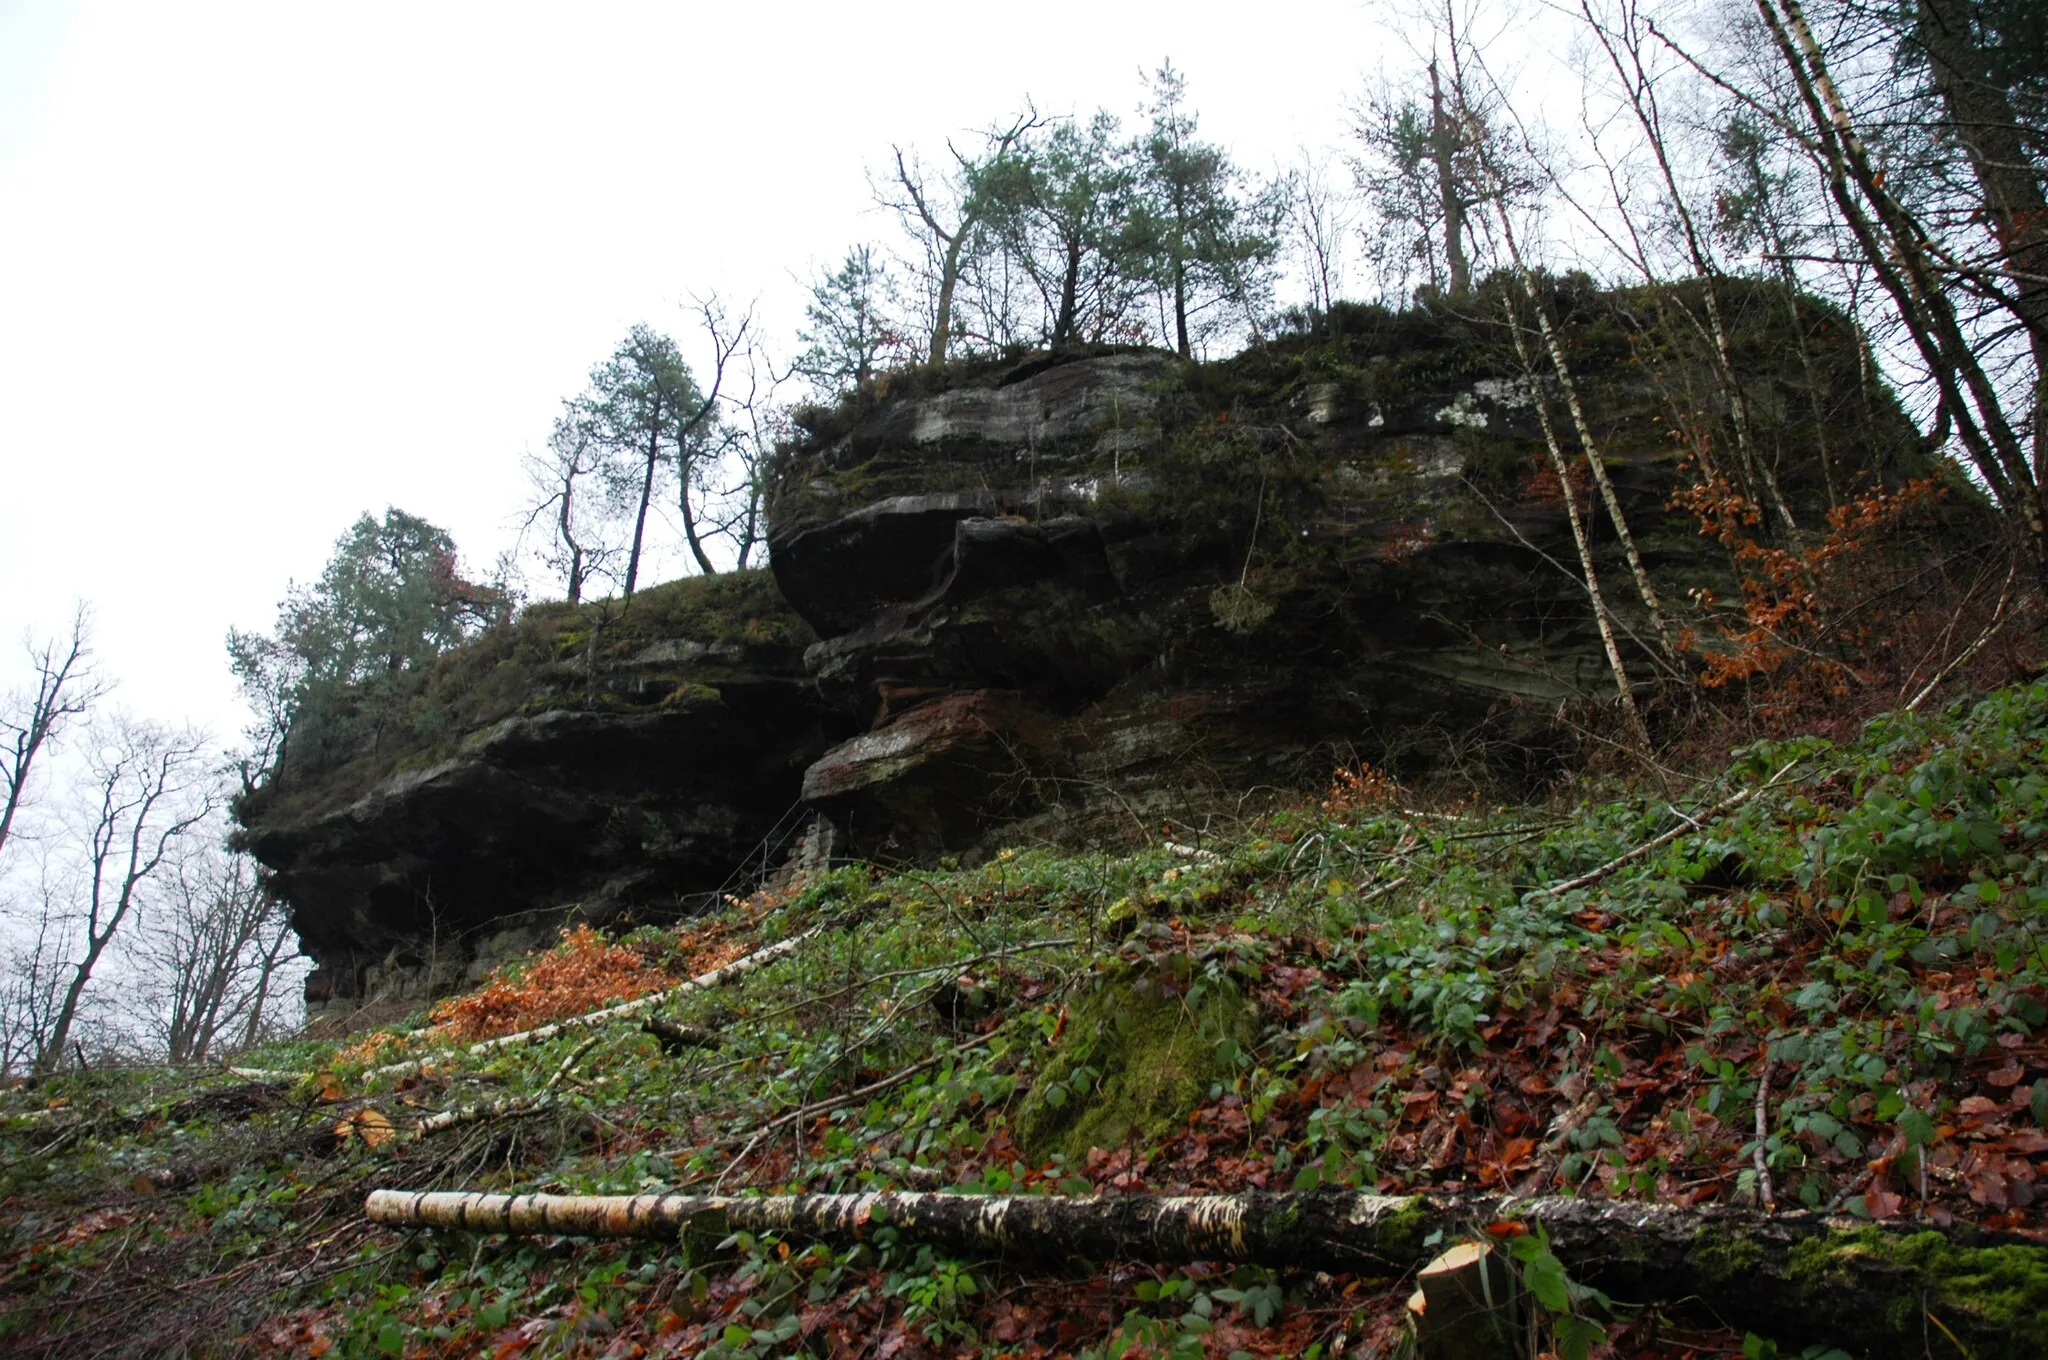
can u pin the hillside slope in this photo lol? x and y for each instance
(1826, 969)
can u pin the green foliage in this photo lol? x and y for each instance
(1208, 243)
(852, 330)
(1564, 1301)
(1065, 207)
(346, 648)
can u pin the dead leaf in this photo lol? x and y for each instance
(373, 1127)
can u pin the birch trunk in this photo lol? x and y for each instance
(1793, 1276)
(1639, 732)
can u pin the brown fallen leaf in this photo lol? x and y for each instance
(372, 1127)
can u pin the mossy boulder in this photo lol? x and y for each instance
(1141, 1049)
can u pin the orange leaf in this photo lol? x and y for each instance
(372, 1127)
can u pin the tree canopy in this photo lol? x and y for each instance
(389, 601)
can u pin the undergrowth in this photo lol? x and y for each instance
(1865, 938)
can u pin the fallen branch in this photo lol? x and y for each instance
(701, 982)
(674, 1038)
(1795, 1276)
(1969, 653)
(1623, 860)
(830, 1103)
(508, 1105)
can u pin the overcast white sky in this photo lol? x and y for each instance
(264, 267)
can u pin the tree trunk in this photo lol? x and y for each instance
(1180, 310)
(949, 281)
(1591, 448)
(689, 517)
(1990, 131)
(1602, 617)
(1442, 142)
(1791, 1277)
(640, 519)
(52, 1054)
(1070, 291)
(2009, 180)
(566, 526)
(1903, 264)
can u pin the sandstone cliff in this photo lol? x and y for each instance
(1049, 595)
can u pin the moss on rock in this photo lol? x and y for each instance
(1142, 1048)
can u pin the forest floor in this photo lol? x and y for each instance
(1819, 979)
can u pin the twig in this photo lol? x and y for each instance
(470, 1114)
(1998, 618)
(828, 1104)
(1765, 1196)
(1720, 809)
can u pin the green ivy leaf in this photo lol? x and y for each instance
(1545, 1277)
(1576, 1337)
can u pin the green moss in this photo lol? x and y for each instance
(1398, 1236)
(1720, 1256)
(553, 656)
(1141, 1050)
(1993, 1299)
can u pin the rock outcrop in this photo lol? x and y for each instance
(608, 761)
(1120, 587)
(1056, 596)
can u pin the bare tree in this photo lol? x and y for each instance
(215, 945)
(756, 420)
(1319, 219)
(33, 719)
(944, 213)
(1417, 163)
(1491, 163)
(32, 982)
(697, 435)
(1622, 32)
(1932, 192)
(149, 789)
(561, 480)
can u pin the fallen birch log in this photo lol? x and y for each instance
(702, 982)
(1792, 1277)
